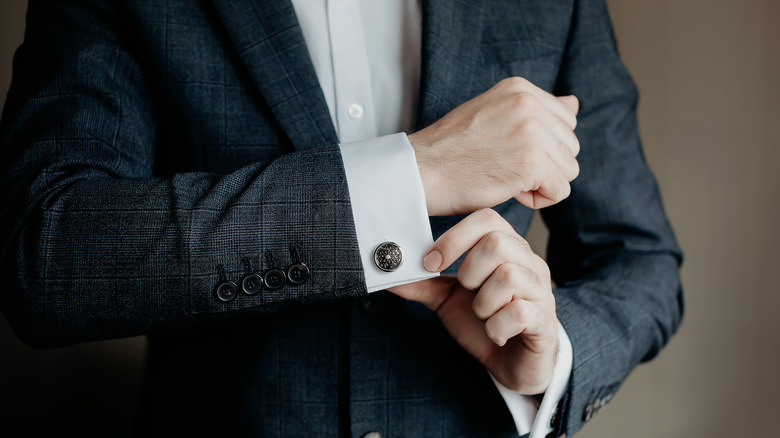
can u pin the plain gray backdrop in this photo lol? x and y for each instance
(709, 114)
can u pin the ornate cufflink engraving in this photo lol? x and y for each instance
(388, 256)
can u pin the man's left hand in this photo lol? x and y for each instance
(509, 325)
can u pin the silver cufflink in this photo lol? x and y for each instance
(388, 256)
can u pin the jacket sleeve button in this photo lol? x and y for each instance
(298, 273)
(588, 413)
(226, 291)
(251, 283)
(274, 278)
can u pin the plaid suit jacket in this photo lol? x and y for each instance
(151, 149)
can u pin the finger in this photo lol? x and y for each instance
(508, 283)
(462, 237)
(493, 249)
(431, 293)
(464, 327)
(559, 144)
(553, 125)
(534, 200)
(548, 169)
(564, 160)
(571, 103)
(519, 316)
(520, 85)
(555, 188)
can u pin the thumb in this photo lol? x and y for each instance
(570, 102)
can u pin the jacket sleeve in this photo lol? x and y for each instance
(611, 250)
(95, 246)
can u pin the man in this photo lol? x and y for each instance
(187, 170)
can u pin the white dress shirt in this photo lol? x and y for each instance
(367, 61)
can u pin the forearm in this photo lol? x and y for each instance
(612, 252)
(107, 228)
(97, 257)
(616, 320)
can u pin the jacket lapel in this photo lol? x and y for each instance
(451, 57)
(269, 40)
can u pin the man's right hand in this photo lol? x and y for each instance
(514, 140)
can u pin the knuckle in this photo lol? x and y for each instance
(543, 270)
(532, 277)
(523, 103)
(517, 310)
(490, 217)
(529, 128)
(524, 245)
(509, 274)
(494, 242)
(515, 83)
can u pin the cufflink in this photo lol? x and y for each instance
(388, 256)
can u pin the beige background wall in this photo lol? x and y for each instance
(710, 118)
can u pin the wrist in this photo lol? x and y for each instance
(423, 155)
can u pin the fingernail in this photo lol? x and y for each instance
(432, 261)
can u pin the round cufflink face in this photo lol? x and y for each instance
(388, 256)
(274, 279)
(251, 284)
(298, 273)
(226, 291)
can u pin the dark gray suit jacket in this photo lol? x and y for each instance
(153, 149)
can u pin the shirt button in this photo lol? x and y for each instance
(226, 291)
(355, 111)
(373, 435)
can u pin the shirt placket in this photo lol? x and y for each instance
(352, 81)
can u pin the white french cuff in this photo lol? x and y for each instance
(529, 416)
(388, 205)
